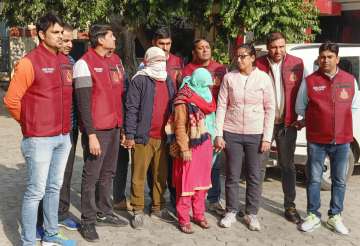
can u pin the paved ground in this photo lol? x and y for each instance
(275, 230)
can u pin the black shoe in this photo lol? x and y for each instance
(241, 214)
(88, 232)
(292, 215)
(110, 220)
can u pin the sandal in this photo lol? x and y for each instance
(202, 223)
(186, 229)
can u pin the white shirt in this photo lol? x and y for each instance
(278, 88)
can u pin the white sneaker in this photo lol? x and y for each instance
(252, 222)
(336, 224)
(311, 222)
(229, 218)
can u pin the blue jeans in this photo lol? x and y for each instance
(215, 191)
(338, 154)
(45, 158)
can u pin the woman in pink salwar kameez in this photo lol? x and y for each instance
(190, 127)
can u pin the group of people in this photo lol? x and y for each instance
(175, 120)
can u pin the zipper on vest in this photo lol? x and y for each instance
(62, 107)
(333, 116)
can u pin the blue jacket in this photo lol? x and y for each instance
(139, 107)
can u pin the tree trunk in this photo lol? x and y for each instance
(125, 45)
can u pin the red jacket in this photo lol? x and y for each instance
(292, 73)
(108, 80)
(328, 113)
(217, 71)
(46, 105)
(174, 65)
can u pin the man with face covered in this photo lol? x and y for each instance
(174, 64)
(148, 102)
(201, 53)
(286, 72)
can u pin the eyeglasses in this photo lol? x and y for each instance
(242, 57)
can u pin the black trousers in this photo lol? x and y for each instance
(64, 203)
(241, 147)
(97, 175)
(285, 138)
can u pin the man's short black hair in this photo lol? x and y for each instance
(196, 41)
(274, 36)
(46, 21)
(330, 46)
(161, 32)
(98, 31)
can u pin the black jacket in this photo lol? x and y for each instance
(139, 107)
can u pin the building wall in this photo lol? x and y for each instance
(339, 21)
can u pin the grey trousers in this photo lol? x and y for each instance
(241, 147)
(285, 138)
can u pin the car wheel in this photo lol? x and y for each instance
(326, 178)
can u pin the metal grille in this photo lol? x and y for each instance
(4, 48)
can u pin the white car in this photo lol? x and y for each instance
(350, 62)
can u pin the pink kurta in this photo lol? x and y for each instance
(195, 174)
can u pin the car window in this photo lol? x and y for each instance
(350, 64)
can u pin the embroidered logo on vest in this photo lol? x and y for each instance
(344, 94)
(68, 76)
(293, 77)
(115, 76)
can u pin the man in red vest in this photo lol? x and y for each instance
(201, 57)
(65, 219)
(99, 88)
(327, 99)
(286, 72)
(40, 98)
(174, 64)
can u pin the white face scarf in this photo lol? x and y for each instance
(154, 64)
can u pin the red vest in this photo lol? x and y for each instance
(328, 113)
(107, 74)
(217, 71)
(46, 105)
(292, 70)
(174, 65)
